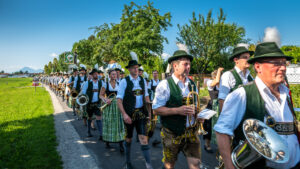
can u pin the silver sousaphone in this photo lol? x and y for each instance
(261, 142)
(82, 100)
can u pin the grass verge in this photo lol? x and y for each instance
(27, 133)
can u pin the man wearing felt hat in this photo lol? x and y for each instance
(239, 75)
(132, 99)
(170, 104)
(266, 99)
(92, 89)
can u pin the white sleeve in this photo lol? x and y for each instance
(208, 83)
(224, 87)
(232, 113)
(162, 94)
(121, 90)
(146, 88)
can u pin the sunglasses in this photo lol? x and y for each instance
(275, 63)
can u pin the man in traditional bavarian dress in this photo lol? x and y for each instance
(132, 101)
(152, 86)
(239, 75)
(266, 99)
(112, 120)
(78, 82)
(92, 89)
(70, 85)
(169, 102)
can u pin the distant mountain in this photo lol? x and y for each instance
(30, 70)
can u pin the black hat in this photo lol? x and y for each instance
(132, 63)
(238, 51)
(100, 71)
(93, 71)
(268, 50)
(75, 70)
(117, 69)
(141, 69)
(180, 54)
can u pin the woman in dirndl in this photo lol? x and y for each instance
(112, 120)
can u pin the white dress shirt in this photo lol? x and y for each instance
(227, 82)
(162, 92)
(155, 83)
(136, 85)
(234, 110)
(76, 80)
(95, 86)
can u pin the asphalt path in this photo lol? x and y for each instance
(111, 158)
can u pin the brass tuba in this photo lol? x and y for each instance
(74, 93)
(193, 100)
(82, 100)
(261, 141)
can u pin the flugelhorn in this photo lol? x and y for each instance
(106, 104)
(193, 100)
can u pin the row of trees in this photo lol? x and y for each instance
(140, 30)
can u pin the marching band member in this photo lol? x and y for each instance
(92, 89)
(78, 82)
(70, 86)
(153, 83)
(132, 98)
(112, 120)
(266, 99)
(239, 75)
(118, 70)
(170, 105)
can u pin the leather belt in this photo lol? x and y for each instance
(95, 90)
(137, 92)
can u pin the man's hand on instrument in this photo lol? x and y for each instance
(200, 120)
(127, 119)
(186, 110)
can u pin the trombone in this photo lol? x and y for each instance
(193, 100)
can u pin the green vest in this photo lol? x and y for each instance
(78, 82)
(255, 108)
(238, 80)
(89, 91)
(175, 123)
(129, 97)
(72, 78)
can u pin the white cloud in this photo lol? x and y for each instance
(165, 56)
(272, 35)
(54, 55)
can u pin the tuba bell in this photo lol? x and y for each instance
(74, 93)
(261, 142)
(82, 100)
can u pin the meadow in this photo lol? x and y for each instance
(27, 133)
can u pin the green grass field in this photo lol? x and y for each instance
(27, 134)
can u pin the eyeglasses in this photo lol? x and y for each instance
(275, 63)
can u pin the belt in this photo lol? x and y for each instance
(284, 128)
(138, 92)
(95, 90)
(188, 134)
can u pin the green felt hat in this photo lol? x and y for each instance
(180, 54)
(238, 51)
(93, 71)
(132, 63)
(268, 50)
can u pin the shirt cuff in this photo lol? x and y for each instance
(223, 130)
(222, 96)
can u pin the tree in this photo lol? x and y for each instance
(140, 30)
(210, 41)
(50, 67)
(2, 71)
(85, 51)
(293, 51)
(55, 65)
(62, 65)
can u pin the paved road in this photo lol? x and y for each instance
(112, 159)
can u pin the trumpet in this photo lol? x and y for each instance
(193, 100)
(106, 104)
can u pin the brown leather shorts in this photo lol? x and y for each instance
(190, 146)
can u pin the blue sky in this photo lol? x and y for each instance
(33, 31)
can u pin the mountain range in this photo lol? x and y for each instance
(30, 70)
